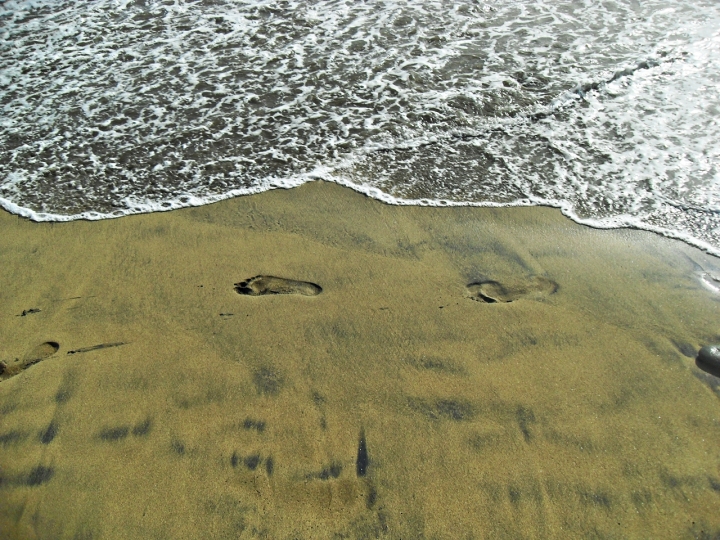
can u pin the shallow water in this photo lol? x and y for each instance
(609, 111)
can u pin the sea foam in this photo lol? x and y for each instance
(607, 111)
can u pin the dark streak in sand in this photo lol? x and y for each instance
(39, 475)
(251, 462)
(178, 447)
(63, 395)
(595, 498)
(115, 433)
(525, 419)
(257, 425)
(47, 436)
(267, 381)
(444, 409)
(97, 347)
(11, 437)
(143, 428)
(332, 471)
(362, 460)
(371, 498)
(438, 365)
(714, 484)
(685, 348)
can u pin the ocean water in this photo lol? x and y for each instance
(607, 110)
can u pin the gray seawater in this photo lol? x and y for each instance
(608, 110)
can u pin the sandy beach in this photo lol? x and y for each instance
(463, 373)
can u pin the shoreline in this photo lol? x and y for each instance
(618, 222)
(188, 410)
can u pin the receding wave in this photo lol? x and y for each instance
(608, 111)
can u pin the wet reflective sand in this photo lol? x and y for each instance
(461, 373)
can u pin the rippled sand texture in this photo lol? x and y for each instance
(395, 403)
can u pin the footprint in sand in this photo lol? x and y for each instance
(39, 353)
(493, 291)
(259, 285)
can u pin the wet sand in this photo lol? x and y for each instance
(462, 373)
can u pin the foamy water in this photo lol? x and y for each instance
(608, 111)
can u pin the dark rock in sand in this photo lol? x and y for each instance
(708, 359)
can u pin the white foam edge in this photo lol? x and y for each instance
(710, 281)
(323, 173)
